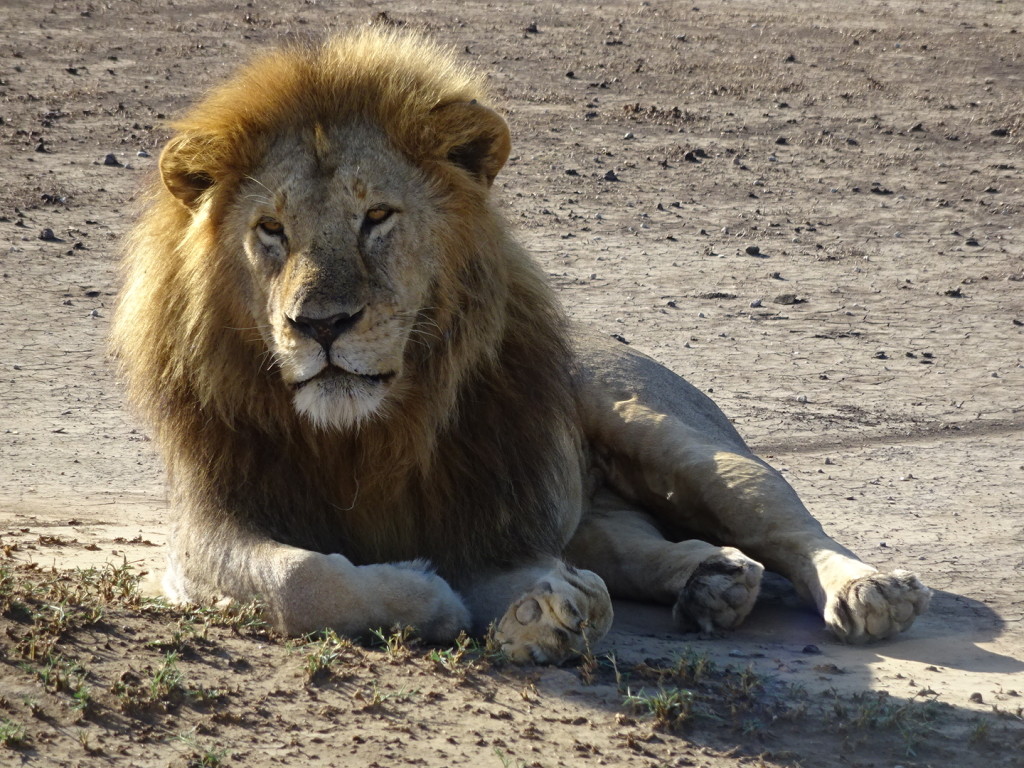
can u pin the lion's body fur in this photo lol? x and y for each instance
(486, 447)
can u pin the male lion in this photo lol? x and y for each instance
(372, 410)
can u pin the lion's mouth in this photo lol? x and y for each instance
(334, 373)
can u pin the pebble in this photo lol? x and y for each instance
(629, 136)
(111, 159)
(812, 649)
(142, 153)
(47, 234)
(756, 303)
(752, 250)
(610, 176)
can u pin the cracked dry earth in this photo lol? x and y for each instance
(811, 210)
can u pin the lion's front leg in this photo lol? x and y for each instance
(546, 612)
(306, 591)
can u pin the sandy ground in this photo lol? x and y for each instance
(810, 210)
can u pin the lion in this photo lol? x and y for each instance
(373, 411)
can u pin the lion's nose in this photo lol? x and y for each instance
(325, 329)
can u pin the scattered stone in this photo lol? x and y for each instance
(571, 172)
(880, 355)
(716, 295)
(782, 141)
(788, 299)
(954, 293)
(610, 176)
(95, 313)
(756, 304)
(916, 128)
(142, 153)
(1000, 132)
(811, 649)
(112, 160)
(570, 74)
(48, 236)
(619, 338)
(629, 135)
(976, 698)
(752, 250)
(972, 242)
(531, 28)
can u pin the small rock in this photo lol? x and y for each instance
(756, 303)
(629, 136)
(95, 313)
(782, 141)
(880, 355)
(48, 236)
(788, 299)
(41, 146)
(972, 242)
(142, 153)
(619, 338)
(610, 176)
(752, 250)
(531, 28)
(1000, 132)
(570, 74)
(976, 698)
(111, 159)
(571, 172)
(811, 649)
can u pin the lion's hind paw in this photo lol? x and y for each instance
(876, 606)
(720, 593)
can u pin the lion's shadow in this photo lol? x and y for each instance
(948, 635)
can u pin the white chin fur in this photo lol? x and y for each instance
(328, 405)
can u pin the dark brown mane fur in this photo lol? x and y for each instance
(466, 465)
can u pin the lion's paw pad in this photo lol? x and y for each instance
(555, 621)
(877, 606)
(720, 593)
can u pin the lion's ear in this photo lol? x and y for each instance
(473, 137)
(183, 170)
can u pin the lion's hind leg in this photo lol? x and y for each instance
(713, 486)
(710, 588)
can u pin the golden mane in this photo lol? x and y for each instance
(492, 382)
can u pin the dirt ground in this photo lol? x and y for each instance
(811, 210)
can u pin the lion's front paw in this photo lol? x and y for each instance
(556, 620)
(876, 606)
(720, 592)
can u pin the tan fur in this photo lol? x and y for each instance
(347, 406)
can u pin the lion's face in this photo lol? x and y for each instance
(335, 230)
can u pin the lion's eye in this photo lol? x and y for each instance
(272, 227)
(375, 216)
